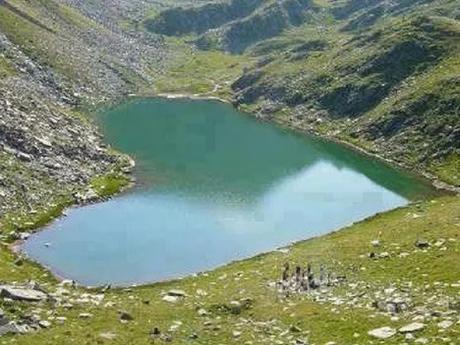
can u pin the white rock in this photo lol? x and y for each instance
(44, 324)
(236, 334)
(22, 294)
(445, 324)
(375, 243)
(170, 299)
(382, 333)
(412, 327)
(107, 335)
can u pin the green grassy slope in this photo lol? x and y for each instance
(381, 75)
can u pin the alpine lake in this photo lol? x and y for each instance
(213, 185)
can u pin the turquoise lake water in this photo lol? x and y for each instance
(214, 185)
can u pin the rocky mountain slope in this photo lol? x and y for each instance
(53, 61)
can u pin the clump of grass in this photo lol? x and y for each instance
(110, 184)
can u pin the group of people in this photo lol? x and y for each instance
(300, 279)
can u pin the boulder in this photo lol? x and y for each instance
(22, 293)
(14, 328)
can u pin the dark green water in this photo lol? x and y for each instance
(214, 186)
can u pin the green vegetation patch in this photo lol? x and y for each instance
(110, 184)
(449, 169)
(6, 70)
(200, 72)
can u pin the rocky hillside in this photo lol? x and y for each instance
(55, 60)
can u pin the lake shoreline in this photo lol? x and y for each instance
(434, 182)
(335, 229)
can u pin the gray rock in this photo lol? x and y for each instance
(3, 318)
(422, 244)
(176, 293)
(22, 293)
(125, 316)
(445, 324)
(14, 328)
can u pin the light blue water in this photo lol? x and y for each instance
(214, 186)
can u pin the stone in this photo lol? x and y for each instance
(422, 244)
(14, 328)
(173, 296)
(44, 324)
(412, 327)
(61, 319)
(166, 338)
(107, 335)
(409, 336)
(22, 294)
(382, 333)
(3, 319)
(445, 324)
(9, 328)
(170, 299)
(295, 329)
(421, 341)
(236, 334)
(176, 293)
(67, 282)
(375, 243)
(202, 312)
(85, 315)
(125, 316)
